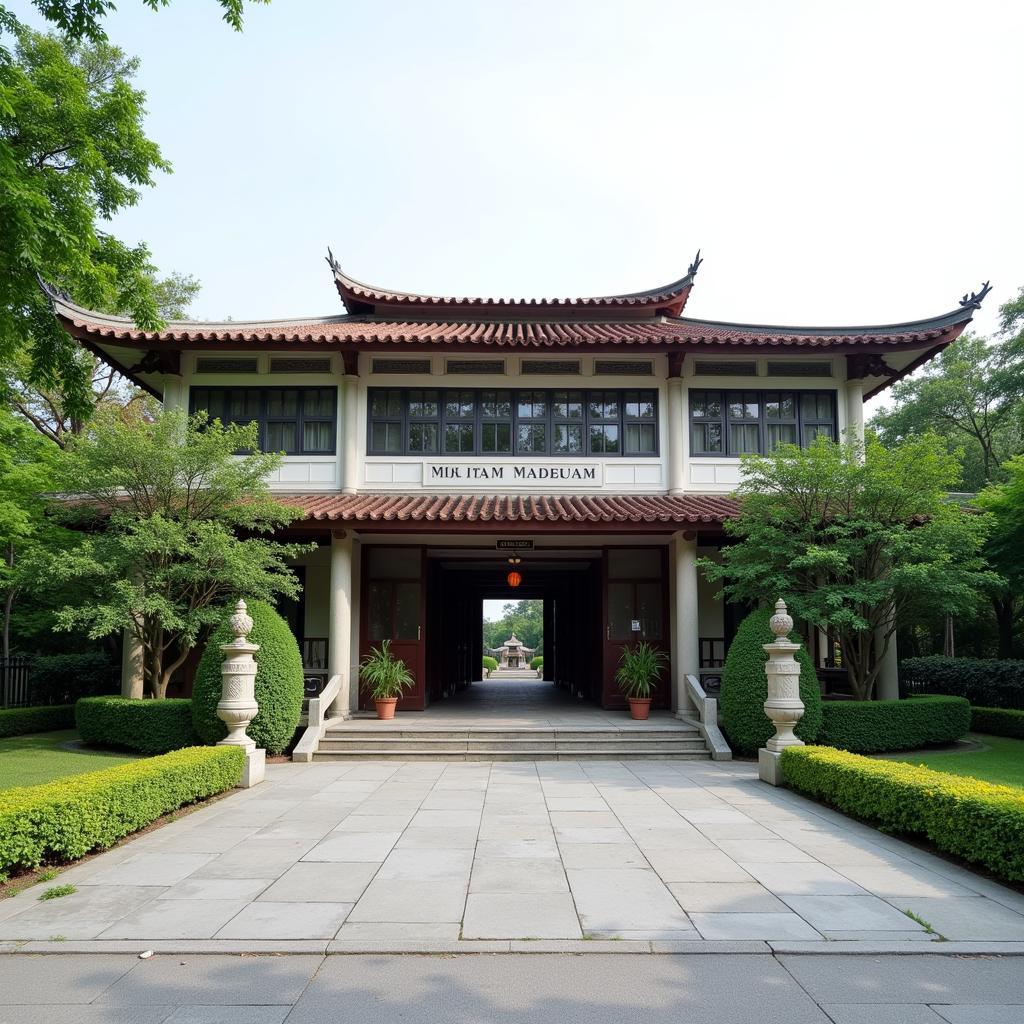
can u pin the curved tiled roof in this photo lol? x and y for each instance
(689, 509)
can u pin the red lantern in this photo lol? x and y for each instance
(514, 579)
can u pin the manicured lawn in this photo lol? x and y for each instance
(39, 757)
(1001, 760)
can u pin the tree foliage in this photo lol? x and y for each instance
(524, 618)
(73, 153)
(179, 525)
(852, 537)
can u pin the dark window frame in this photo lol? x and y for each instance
(198, 399)
(725, 395)
(548, 421)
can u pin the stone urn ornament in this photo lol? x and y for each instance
(238, 706)
(783, 706)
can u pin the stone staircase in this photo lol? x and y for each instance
(362, 738)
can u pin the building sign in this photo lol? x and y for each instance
(513, 544)
(555, 477)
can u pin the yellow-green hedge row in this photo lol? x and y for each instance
(979, 821)
(64, 820)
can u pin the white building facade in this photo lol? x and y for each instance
(429, 438)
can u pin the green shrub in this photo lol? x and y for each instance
(979, 821)
(64, 820)
(986, 682)
(745, 688)
(880, 726)
(279, 688)
(536, 663)
(491, 664)
(20, 721)
(998, 722)
(148, 726)
(63, 678)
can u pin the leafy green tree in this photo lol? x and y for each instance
(970, 396)
(27, 471)
(73, 153)
(46, 407)
(524, 618)
(179, 525)
(851, 538)
(1005, 551)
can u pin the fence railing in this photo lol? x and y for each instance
(14, 682)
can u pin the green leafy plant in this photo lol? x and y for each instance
(745, 688)
(880, 726)
(537, 662)
(998, 722)
(489, 663)
(23, 721)
(383, 675)
(985, 681)
(64, 820)
(57, 891)
(640, 669)
(148, 726)
(48, 875)
(981, 822)
(279, 686)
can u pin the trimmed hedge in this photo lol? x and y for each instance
(978, 821)
(64, 820)
(983, 681)
(490, 663)
(745, 688)
(148, 726)
(998, 722)
(537, 662)
(279, 684)
(21, 721)
(880, 726)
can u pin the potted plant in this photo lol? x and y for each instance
(638, 673)
(385, 677)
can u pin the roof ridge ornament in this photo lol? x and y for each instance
(975, 299)
(695, 265)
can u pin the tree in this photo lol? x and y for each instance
(47, 409)
(179, 525)
(80, 18)
(1005, 551)
(27, 470)
(524, 618)
(970, 396)
(72, 154)
(851, 537)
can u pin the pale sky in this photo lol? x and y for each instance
(835, 162)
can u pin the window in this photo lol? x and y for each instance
(296, 421)
(740, 422)
(406, 421)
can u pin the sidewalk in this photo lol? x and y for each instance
(757, 989)
(656, 857)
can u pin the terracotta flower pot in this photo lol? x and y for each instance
(386, 707)
(639, 708)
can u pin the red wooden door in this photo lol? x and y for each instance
(635, 610)
(392, 609)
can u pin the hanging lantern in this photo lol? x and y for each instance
(514, 579)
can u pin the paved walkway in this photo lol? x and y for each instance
(654, 856)
(728, 989)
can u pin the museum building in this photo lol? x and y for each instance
(428, 439)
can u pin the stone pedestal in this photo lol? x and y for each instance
(783, 706)
(237, 706)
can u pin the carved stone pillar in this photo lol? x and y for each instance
(237, 706)
(783, 706)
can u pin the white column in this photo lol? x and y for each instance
(687, 627)
(339, 627)
(174, 392)
(855, 409)
(676, 436)
(349, 440)
(887, 685)
(132, 676)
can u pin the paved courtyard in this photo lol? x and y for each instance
(657, 856)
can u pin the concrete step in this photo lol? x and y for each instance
(346, 731)
(396, 753)
(506, 747)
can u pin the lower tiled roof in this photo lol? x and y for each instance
(459, 508)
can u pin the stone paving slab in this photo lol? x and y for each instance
(379, 856)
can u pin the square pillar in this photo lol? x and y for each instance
(676, 436)
(350, 434)
(686, 626)
(339, 627)
(855, 409)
